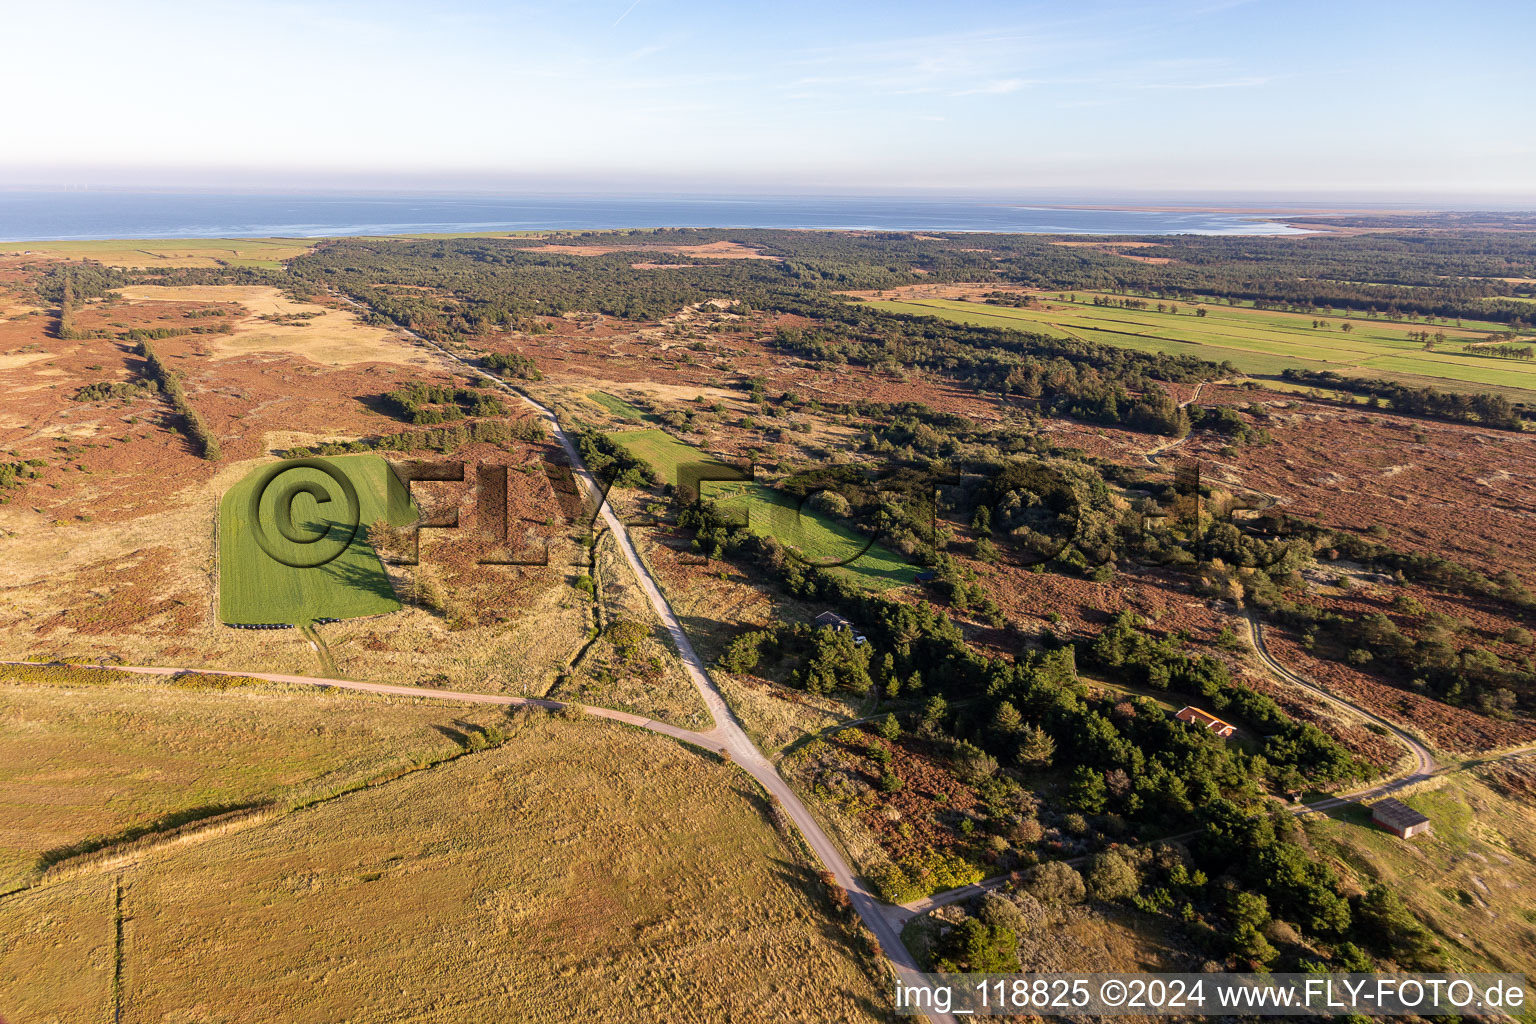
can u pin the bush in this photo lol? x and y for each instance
(1111, 877)
(975, 947)
(998, 911)
(626, 635)
(974, 765)
(512, 365)
(831, 503)
(1055, 882)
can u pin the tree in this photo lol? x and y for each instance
(1007, 721)
(1249, 943)
(1388, 925)
(1088, 793)
(982, 521)
(890, 728)
(836, 663)
(1038, 747)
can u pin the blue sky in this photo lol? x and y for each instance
(1296, 97)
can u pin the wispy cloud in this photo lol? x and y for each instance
(1000, 87)
(1248, 82)
(623, 16)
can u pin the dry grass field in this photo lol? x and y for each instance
(650, 682)
(269, 321)
(91, 758)
(111, 552)
(579, 872)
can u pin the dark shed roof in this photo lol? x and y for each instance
(1396, 813)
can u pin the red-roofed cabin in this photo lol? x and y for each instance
(1207, 720)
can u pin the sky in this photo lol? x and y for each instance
(1275, 97)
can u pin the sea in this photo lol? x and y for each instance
(105, 214)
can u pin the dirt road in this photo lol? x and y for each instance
(727, 733)
(1424, 764)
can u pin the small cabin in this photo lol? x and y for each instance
(833, 621)
(1206, 720)
(1398, 818)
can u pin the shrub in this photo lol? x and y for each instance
(1055, 882)
(626, 635)
(1111, 877)
(975, 947)
(998, 911)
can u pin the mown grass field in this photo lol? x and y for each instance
(254, 587)
(579, 872)
(820, 539)
(663, 452)
(89, 757)
(618, 407)
(173, 252)
(1261, 342)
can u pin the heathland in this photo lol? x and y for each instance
(1104, 522)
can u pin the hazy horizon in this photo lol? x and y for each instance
(1278, 201)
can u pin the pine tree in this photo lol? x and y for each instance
(1038, 747)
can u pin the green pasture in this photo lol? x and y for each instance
(1261, 342)
(618, 407)
(820, 539)
(663, 452)
(235, 252)
(301, 529)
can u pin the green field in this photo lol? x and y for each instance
(821, 539)
(1261, 342)
(618, 407)
(267, 253)
(256, 587)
